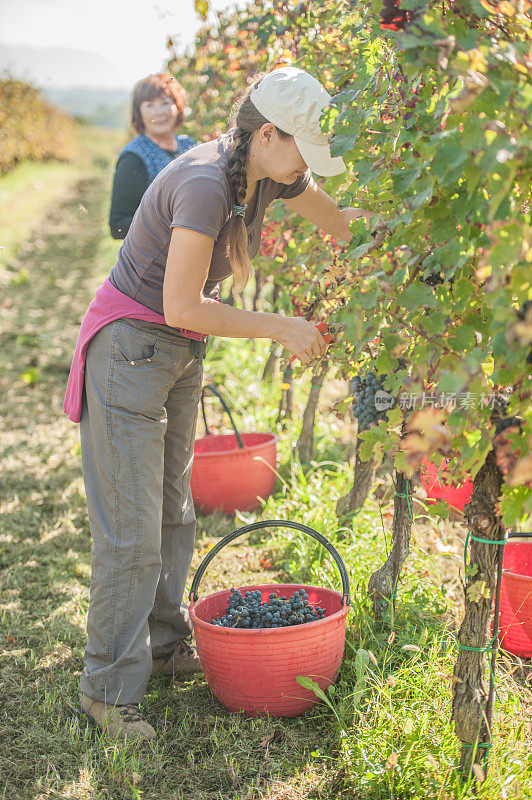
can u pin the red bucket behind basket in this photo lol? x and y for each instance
(438, 486)
(232, 472)
(515, 621)
(256, 670)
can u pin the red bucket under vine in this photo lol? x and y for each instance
(515, 620)
(232, 472)
(438, 485)
(256, 670)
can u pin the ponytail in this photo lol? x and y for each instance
(237, 237)
(246, 120)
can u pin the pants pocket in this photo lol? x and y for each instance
(133, 347)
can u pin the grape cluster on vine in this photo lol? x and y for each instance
(364, 406)
(249, 611)
(508, 422)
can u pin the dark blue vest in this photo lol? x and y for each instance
(154, 157)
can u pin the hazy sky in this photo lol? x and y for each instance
(129, 34)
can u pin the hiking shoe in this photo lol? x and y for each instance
(121, 721)
(183, 658)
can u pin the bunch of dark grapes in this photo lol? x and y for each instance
(433, 279)
(248, 611)
(436, 278)
(364, 390)
(508, 422)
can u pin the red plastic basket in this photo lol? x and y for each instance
(515, 621)
(255, 670)
(232, 472)
(438, 485)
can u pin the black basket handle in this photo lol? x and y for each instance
(209, 387)
(268, 523)
(522, 535)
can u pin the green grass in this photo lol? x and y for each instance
(386, 733)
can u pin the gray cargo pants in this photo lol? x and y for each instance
(142, 389)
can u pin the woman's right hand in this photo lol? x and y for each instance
(301, 338)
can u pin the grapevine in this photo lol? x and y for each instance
(430, 112)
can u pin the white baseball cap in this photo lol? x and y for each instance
(293, 101)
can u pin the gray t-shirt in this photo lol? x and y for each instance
(191, 192)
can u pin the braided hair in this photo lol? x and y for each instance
(246, 120)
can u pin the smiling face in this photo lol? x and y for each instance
(275, 156)
(160, 116)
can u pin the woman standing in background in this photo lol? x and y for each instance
(158, 109)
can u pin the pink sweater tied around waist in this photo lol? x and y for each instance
(108, 305)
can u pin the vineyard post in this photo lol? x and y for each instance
(260, 280)
(305, 442)
(286, 404)
(363, 479)
(471, 715)
(269, 367)
(382, 585)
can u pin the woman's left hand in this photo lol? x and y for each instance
(352, 213)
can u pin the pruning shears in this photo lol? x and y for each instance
(329, 331)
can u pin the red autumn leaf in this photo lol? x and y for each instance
(426, 434)
(505, 453)
(521, 472)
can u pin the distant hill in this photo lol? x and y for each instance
(60, 66)
(76, 81)
(106, 107)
